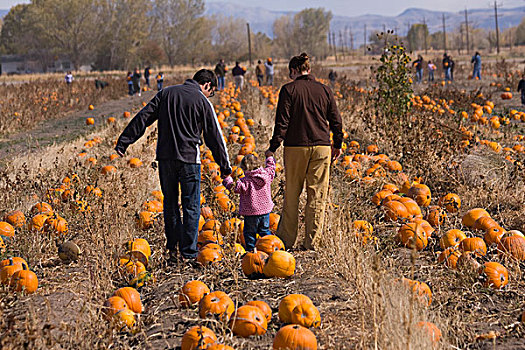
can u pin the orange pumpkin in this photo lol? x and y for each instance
(495, 275)
(42, 208)
(264, 307)
(210, 254)
(307, 315)
(24, 280)
(474, 244)
(469, 219)
(274, 222)
(431, 329)
(252, 264)
(452, 238)
(192, 292)
(412, 235)
(269, 244)
(247, 321)
(451, 202)
(395, 210)
(6, 229)
(450, 257)
(15, 218)
(288, 304)
(198, 338)
(296, 337)
(279, 264)
(216, 304)
(513, 246)
(131, 297)
(421, 194)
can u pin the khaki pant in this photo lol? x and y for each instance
(313, 165)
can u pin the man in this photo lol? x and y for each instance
(135, 78)
(268, 65)
(419, 68)
(476, 59)
(446, 67)
(238, 76)
(184, 113)
(147, 73)
(306, 113)
(220, 71)
(259, 72)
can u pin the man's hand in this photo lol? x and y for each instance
(268, 153)
(336, 152)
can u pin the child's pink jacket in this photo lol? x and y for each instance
(255, 189)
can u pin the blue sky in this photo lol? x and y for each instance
(354, 7)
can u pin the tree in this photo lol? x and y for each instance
(311, 28)
(68, 27)
(262, 45)
(181, 29)
(417, 36)
(230, 39)
(284, 41)
(17, 32)
(520, 33)
(305, 32)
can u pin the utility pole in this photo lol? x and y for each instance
(341, 42)
(351, 40)
(497, 28)
(425, 33)
(444, 34)
(335, 45)
(329, 42)
(364, 45)
(466, 28)
(249, 44)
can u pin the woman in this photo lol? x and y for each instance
(306, 114)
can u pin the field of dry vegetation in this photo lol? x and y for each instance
(461, 138)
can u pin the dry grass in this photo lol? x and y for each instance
(353, 285)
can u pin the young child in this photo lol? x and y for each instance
(431, 68)
(255, 197)
(160, 80)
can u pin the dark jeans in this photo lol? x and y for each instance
(147, 81)
(159, 85)
(253, 225)
(430, 75)
(260, 79)
(476, 73)
(130, 89)
(419, 75)
(220, 81)
(181, 232)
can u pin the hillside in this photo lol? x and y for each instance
(261, 19)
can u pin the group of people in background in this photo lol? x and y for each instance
(448, 65)
(133, 79)
(238, 72)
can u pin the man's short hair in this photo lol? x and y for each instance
(204, 76)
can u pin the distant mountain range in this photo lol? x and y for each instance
(261, 19)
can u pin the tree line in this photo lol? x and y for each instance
(119, 34)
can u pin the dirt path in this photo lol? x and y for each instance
(66, 128)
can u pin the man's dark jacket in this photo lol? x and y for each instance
(183, 113)
(306, 113)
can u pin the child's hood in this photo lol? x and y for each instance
(258, 176)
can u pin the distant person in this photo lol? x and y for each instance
(220, 72)
(160, 81)
(147, 73)
(268, 65)
(521, 88)
(100, 84)
(129, 79)
(446, 67)
(476, 60)
(69, 78)
(255, 202)
(136, 81)
(259, 72)
(332, 76)
(238, 76)
(419, 68)
(451, 64)
(431, 69)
